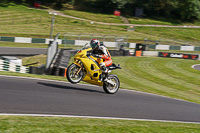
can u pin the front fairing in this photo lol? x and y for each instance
(82, 54)
(91, 65)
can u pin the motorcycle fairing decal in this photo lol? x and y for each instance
(94, 61)
(97, 70)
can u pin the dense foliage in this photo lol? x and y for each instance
(184, 10)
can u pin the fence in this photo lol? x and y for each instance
(117, 43)
(9, 66)
(170, 47)
(27, 40)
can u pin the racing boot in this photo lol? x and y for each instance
(104, 74)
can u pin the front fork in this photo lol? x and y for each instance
(78, 64)
(76, 73)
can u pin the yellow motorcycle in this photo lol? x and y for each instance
(86, 68)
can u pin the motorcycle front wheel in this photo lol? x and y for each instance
(74, 74)
(109, 88)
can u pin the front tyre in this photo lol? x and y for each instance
(74, 74)
(110, 89)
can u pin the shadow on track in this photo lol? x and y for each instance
(68, 87)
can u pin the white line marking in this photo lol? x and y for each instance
(94, 117)
(158, 95)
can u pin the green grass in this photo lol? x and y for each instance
(20, 21)
(94, 16)
(37, 60)
(163, 76)
(15, 124)
(182, 35)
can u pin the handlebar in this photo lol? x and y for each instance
(88, 54)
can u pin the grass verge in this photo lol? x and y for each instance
(15, 124)
(94, 16)
(34, 60)
(163, 76)
(20, 21)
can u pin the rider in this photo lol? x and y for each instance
(100, 51)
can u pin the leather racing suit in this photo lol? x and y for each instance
(103, 53)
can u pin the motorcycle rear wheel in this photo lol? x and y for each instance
(71, 74)
(109, 88)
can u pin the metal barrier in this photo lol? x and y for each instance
(109, 41)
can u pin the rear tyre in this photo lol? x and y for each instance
(108, 88)
(71, 74)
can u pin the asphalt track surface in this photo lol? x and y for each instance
(34, 96)
(21, 51)
(197, 67)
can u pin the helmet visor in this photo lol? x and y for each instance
(93, 45)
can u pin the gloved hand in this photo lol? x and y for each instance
(88, 54)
